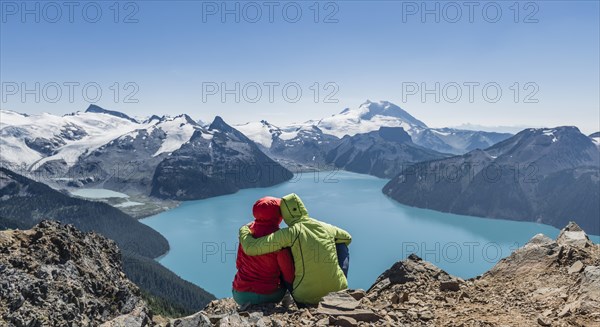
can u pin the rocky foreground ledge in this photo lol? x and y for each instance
(54, 275)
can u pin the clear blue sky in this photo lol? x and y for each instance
(373, 49)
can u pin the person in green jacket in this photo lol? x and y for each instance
(313, 245)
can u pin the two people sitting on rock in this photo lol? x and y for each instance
(319, 252)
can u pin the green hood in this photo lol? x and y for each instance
(293, 209)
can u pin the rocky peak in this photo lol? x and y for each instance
(153, 118)
(544, 139)
(55, 275)
(96, 109)
(573, 235)
(219, 124)
(188, 119)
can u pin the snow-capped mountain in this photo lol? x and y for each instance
(262, 132)
(221, 160)
(28, 140)
(301, 143)
(99, 147)
(32, 141)
(127, 163)
(369, 117)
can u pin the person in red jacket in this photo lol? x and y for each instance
(262, 279)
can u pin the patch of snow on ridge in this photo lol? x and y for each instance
(441, 133)
(258, 132)
(98, 128)
(178, 131)
(292, 131)
(550, 132)
(81, 133)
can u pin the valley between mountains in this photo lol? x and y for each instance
(544, 175)
(547, 175)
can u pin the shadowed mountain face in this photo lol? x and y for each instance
(221, 161)
(383, 153)
(544, 175)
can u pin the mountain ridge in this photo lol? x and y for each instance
(102, 148)
(96, 109)
(368, 117)
(211, 157)
(546, 282)
(382, 153)
(547, 175)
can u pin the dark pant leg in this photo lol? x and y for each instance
(343, 255)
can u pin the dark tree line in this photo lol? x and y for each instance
(24, 203)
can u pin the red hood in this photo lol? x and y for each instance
(267, 216)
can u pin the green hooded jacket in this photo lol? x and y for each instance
(317, 271)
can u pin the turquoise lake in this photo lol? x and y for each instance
(203, 234)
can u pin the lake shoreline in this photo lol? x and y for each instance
(203, 233)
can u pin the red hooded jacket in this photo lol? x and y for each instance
(262, 274)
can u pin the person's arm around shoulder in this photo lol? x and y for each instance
(266, 244)
(340, 235)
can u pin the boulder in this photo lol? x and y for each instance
(339, 300)
(357, 314)
(573, 235)
(196, 320)
(590, 284)
(403, 272)
(139, 317)
(357, 294)
(576, 267)
(452, 285)
(346, 322)
(543, 321)
(425, 315)
(234, 320)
